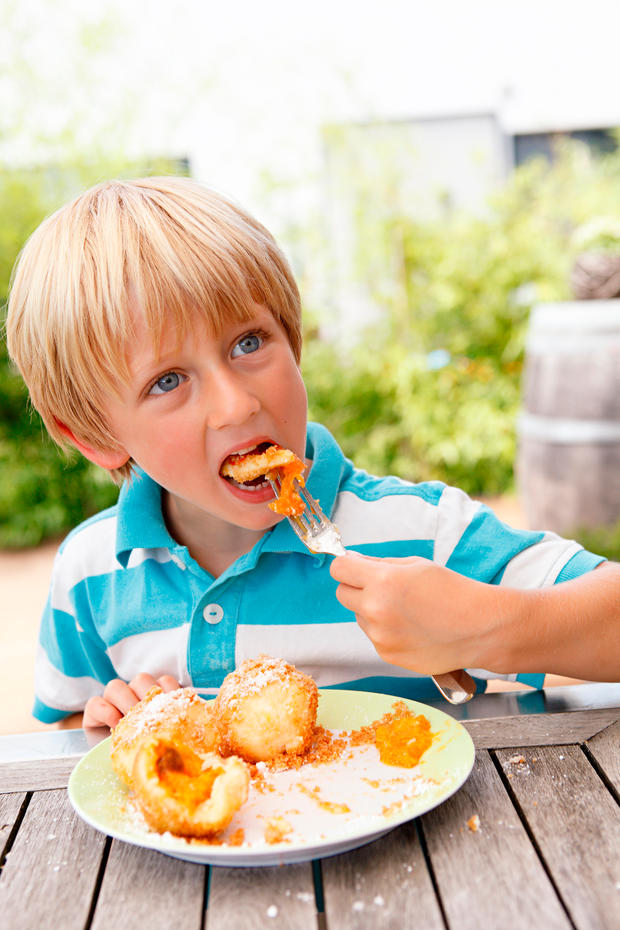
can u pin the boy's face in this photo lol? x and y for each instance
(196, 401)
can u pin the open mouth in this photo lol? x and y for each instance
(248, 468)
(253, 469)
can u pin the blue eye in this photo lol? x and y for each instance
(167, 383)
(248, 344)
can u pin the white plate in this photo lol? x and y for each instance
(331, 807)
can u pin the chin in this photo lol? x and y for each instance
(257, 521)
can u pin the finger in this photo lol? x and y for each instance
(351, 569)
(168, 683)
(352, 598)
(141, 684)
(99, 712)
(355, 569)
(121, 695)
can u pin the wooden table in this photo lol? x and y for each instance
(546, 853)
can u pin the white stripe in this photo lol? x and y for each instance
(490, 676)
(332, 653)
(394, 517)
(159, 652)
(62, 691)
(538, 566)
(138, 556)
(89, 552)
(456, 511)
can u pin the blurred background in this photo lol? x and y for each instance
(445, 180)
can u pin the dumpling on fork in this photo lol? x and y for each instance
(270, 461)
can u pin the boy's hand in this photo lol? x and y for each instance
(119, 697)
(418, 615)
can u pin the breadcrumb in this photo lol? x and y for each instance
(474, 823)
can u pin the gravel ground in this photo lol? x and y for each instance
(24, 579)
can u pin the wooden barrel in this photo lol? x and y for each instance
(568, 462)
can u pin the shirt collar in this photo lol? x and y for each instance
(141, 523)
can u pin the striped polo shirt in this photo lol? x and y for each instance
(125, 597)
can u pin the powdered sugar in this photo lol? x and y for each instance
(160, 705)
(256, 674)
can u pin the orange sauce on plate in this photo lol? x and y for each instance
(403, 741)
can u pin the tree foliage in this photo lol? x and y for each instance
(43, 490)
(433, 388)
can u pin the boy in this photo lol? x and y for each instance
(157, 327)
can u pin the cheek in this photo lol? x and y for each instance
(162, 449)
(292, 392)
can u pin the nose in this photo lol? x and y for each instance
(230, 402)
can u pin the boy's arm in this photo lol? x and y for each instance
(430, 619)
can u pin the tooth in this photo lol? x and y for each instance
(243, 451)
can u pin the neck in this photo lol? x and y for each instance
(214, 544)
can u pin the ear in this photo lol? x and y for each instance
(106, 458)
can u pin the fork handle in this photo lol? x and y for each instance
(457, 687)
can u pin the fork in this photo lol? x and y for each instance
(321, 536)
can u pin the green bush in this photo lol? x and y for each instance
(604, 540)
(43, 490)
(394, 415)
(460, 288)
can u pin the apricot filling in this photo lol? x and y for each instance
(403, 741)
(288, 501)
(269, 461)
(182, 777)
(185, 792)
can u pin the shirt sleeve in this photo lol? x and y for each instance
(473, 541)
(72, 664)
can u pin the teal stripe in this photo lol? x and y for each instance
(152, 596)
(78, 655)
(289, 589)
(400, 548)
(370, 488)
(536, 680)
(487, 545)
(582, 562)
(48, 714)
(414, 689)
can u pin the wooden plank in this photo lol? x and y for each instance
(576, 825)
(142, 887)
(489, 876)
(36, 774)
(51, 870)
(605, 748)
(255, 898)
(380, 883)
(540, 729)
(10, 809)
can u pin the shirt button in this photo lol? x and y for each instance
(213, 613)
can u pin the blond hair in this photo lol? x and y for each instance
(170, 244)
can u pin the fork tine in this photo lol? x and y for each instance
(311, 504)
(311, 525)
(296, 520)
